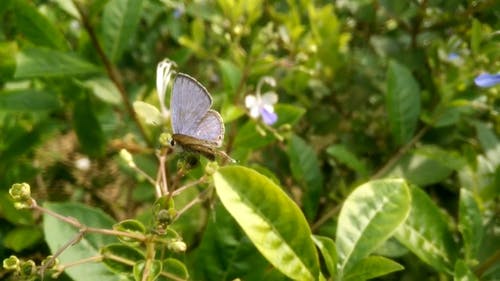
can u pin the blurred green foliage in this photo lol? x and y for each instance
(367, 89)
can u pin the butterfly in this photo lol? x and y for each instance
(195, 126)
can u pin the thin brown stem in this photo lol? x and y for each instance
(196, 200)
(401, 152)
(188, 185)
(110, 70)
(487, 264)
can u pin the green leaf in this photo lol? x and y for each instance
(248, 139)
(463, 272)
(38, 62)
(475, 37)
(148, 113)
(36, 27)
(8, 51)
(306, 171)
(22, 237)
(111, 252)
(57, 233)
(470, 224)
(175, 268)
(87, 128)
(231, 75)
(27, 100)
(152, 273)
(103, 89)
(402, 101)
(328, 251)
(225, 252)
(346, 157)
(369, 217)
(372, 267)
(426, 233)
(489, 142)
(119, 24)
(288, 114)
(271, 220)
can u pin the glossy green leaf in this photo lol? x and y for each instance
(489, 142)
(36, 27)
(328, 251)
(13, 215)
(463, 272)
(342, 154)
(271, 220)
(470, 224)
(27, 100)
(103, 89)
(119, 23)
(370, 215)
(114, 255)
(426, 233)
(372, 267)
(57, 233)
(173, 270)
(402, 101)
(22, 237)
(306, 171)
(87, 128)
(225, 251)
(130, 226)
(38, 62)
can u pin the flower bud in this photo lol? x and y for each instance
(20, 192)
(127, 157)
(11, 263)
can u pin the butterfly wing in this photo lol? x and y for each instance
(189, 104)
(210, 128)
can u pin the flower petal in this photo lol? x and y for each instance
(269, 98)
(250, 101)
(254, 111)
(268, 117)
(487, 80)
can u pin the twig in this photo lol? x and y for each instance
(188, 185)
(401, 152)
(325, 218)
(193, 202)
(487, 264)
(111, 70)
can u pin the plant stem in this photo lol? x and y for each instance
(401, 152)
(111, 70)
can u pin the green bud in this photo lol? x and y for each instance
(165, 139)
(11, 263)
(127, 157)
(28, 268)
(211, 168)
(20, 192)
(178, 246)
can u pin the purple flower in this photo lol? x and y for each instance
(485, 80)
(453, 56)
(263, 105)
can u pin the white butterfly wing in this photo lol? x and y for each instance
(189, 104)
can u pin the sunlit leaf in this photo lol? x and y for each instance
(426, 233)
(271, 220)
(328, 251)
(372, 267)
(470, 224)
(369, 216)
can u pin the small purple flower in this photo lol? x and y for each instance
(485, 80)
(453, 56)
(263, 105)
